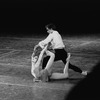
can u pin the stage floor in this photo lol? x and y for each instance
(16, 81)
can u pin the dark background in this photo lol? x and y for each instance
(28, 17)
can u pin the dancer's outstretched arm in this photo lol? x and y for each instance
(50, 61)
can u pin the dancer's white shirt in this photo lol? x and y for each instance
(55, 39)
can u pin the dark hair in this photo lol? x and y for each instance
(50, 26)
(37, 50)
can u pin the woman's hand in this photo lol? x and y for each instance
(45, 48)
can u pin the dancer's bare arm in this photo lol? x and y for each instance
(51, 60)
(41, 54)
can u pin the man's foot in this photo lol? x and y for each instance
(84, 73)
(36, 80)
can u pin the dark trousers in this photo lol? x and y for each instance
(61, 54)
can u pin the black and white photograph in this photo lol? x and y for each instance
(49, 50)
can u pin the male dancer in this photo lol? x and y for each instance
(58, 48)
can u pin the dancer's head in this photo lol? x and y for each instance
(36, 52)
(50, 27)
